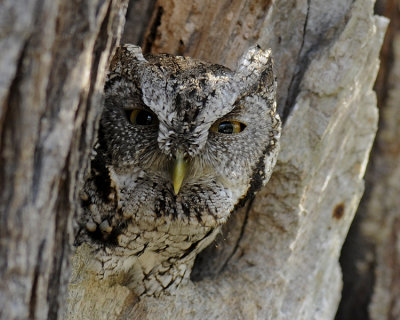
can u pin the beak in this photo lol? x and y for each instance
(179, 170)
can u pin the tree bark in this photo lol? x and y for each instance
(54, 56)
(371, 254)
(278, 257)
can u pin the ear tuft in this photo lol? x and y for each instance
(253, 59)
(132, 52)
(255, 68)
(123, 61)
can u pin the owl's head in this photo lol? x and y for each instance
(188, 140)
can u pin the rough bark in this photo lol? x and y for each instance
(278, 257)
(54, 56)
(371, 253)
(137, 20)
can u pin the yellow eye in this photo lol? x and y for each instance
(228, 127)
(142, 117)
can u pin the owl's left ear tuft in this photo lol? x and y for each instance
(121, 64)
(255, 68)
(132, 52)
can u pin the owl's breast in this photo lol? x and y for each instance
(151, 258)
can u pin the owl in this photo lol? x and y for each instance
(181, 144)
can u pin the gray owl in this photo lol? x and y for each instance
(182, 143)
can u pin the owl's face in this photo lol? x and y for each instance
(186, 140)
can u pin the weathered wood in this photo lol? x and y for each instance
(370, 260)
(54, 55)
(137, 19)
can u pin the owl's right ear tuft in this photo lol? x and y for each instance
(253, 62)
(255, 68)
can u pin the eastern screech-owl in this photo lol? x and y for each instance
(181, 144)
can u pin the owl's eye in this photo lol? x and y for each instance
(142, 117)
(228, 127)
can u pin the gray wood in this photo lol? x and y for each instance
(370, 259)
(54, 56)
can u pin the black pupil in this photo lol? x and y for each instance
(144, 118)
(225, 127)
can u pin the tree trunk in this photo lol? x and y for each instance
(278, 257)
(371, 255)
(54, 56)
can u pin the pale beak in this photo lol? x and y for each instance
(179, 170)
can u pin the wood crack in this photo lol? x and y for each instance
(242, 230)
(36, 275)
(302, 63)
